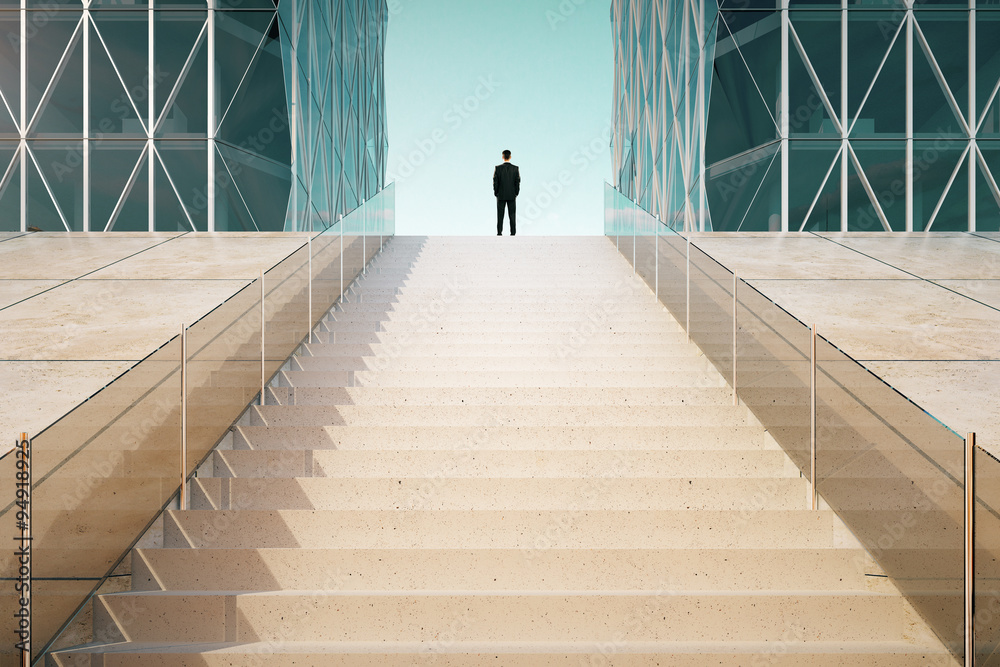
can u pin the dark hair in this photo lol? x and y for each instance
(506, 155)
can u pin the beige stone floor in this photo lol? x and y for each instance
(922, 311)
(77, 310)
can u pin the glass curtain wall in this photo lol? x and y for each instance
(179, 115)
(851, 115)
(663, 54)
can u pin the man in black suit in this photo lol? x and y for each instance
(506, 186)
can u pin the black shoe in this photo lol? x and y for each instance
(499, 234)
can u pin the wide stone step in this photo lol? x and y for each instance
(492, 338)
(526, 325)
(440, 396)
(444, 349)
(502, 569)
(528, 530)
(570, 330)
(436, 493)
(661, 614)
(565, 362)
(512, 415)
(491, 435)
(569, 379)
(446, 652)
(368, 310)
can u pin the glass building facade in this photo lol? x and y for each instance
(180, 115)
(809, 115)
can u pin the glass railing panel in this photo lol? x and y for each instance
(223, 370)
(354, 246)
(672, 272)
(286, 305)
(712, 310)
(100, 476)
(895, 476)
(104, 471)
(645, 247)
(327, 286)
(773, 372)
(987, 560)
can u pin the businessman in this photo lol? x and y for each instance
(506, 186)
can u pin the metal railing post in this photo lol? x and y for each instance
(184, 408)
(812, 419)
(687, 300)
(970, 570)
(309, 314)
(263, 327)
(22, 582)
(736, 397)
(341, 260)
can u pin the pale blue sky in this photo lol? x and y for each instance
(466, 79)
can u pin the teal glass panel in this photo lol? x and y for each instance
(187, 163)
(113, 111)
(933, 114)
(61, 164)
(265, 186)
(187, 113)
(734, 187)
(133, 215)
(169, 214)
(947, 35)
(869, 35)
(61, 111)
(987, 69)
(10, 61)
(176, 34)
(125, 36)
(808, 113)
(819, 33)
(50, 34)
(934, 163)
(884, 166)
(883, 111)
(953, 215)
(237, 35)
(117, 162)
(10, 191)
(813, 186)
(987, 216)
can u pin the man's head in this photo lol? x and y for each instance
(506, 156)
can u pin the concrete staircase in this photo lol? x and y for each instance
(504, 452)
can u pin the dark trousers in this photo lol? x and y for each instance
(511, 205)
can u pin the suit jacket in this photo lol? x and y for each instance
(506, 181)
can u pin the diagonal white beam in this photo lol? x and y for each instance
(817, 84)
(127, 190)
(872, 197)
(48, 188)
(881, 65)
(947, 189)
(939, 75)
(170, 180)
(819, 192)
(180, 79)
(56, 75)
(121, 80)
